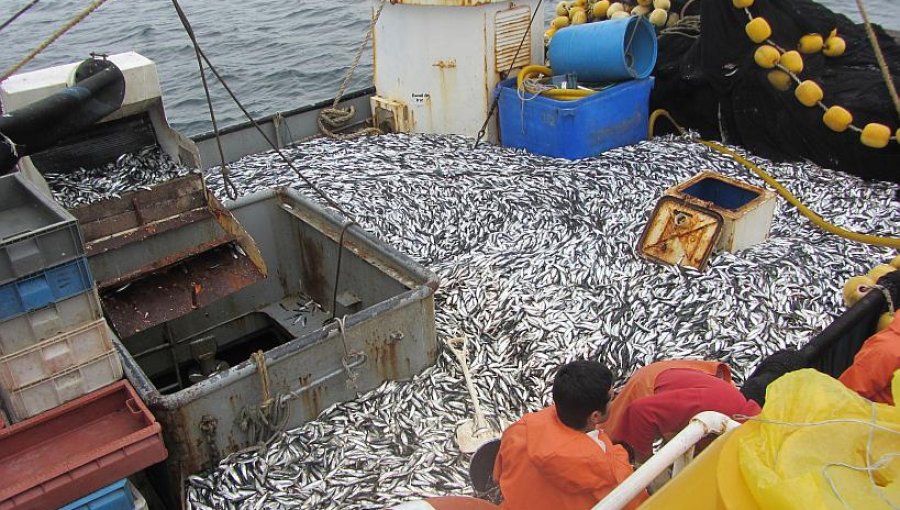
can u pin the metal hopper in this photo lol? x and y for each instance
(160, 253)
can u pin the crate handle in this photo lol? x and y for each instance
(132, 406)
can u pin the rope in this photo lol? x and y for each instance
(331, 119)
(879, 56)
(53, 37)
(16, 15)
(259, 359)
(890, 242)
(230, 188)
(887, 296)
(687, 26)
(262, 422)
(287, 161)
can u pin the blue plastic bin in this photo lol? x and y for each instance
(117, 496)
(44, 288)
(613, 117)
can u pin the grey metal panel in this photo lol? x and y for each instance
(243, 139)
(394, 331)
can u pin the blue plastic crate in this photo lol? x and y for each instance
(44, 288)
(612, 117)
(117, 496)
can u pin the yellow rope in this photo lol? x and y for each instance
(890, 242)
(53, 37)
(882, 64)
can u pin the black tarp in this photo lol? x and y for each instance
(712, 84)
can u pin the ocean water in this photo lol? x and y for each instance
(275, 55)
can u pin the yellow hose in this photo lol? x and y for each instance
(890, 242)
(530, 70)
(558, 94)
(567, 94)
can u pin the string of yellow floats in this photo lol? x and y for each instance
(787, 65)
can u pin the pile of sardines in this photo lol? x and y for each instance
(538, 266)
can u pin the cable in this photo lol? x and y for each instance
(288, 162)
(53, 37)
(16, 15)
(230, 188)
(890, 242)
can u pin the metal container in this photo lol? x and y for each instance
(448, 88)
(181, 368)
(747, 211)
(35, 232)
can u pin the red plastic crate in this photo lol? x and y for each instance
(79, 447)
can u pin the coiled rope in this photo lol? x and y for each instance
(334, 118)
(890, 242)
(53, 37)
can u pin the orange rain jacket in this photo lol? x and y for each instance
(643, 383)
(874, 365)
(545, 465)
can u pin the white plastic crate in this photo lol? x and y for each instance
(28, 329)
(55, 355)
(63, 387)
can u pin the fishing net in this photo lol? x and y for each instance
(710, 83)
(817, 444)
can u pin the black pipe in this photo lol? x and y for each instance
(42, 124)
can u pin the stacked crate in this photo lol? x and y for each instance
(55, 345)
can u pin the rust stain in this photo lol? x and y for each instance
(386, 361)
(312, 269)
(311, 399)
(445, 64)
(679, 233)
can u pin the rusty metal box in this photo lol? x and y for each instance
(747, 211)
(384, 300)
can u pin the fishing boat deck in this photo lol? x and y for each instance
(538, 266)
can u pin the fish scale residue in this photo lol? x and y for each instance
(538, 266)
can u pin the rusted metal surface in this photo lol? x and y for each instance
(391, 336)
(742, 226)
(140, 209)
(192, 284)
(146, 231)
(680, 233)
(509, 29)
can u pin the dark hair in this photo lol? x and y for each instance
(579, 389)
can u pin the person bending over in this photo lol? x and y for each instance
(556, 458)
(678, 395)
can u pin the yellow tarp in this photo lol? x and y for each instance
(820, 459)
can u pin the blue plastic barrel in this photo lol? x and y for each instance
(613, 50)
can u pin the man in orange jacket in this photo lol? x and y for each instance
(557, 458)
(874, 365)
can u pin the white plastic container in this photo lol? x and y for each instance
(747, 211)
(55, 355)
(62, 387)
(28, 329)
(443, 58)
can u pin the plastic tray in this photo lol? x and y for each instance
(83, 446)
(44, 288)
(35, 232)
(55, 355)
(117, 496)
(27, 329)
(613, 117)
(63, 387)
